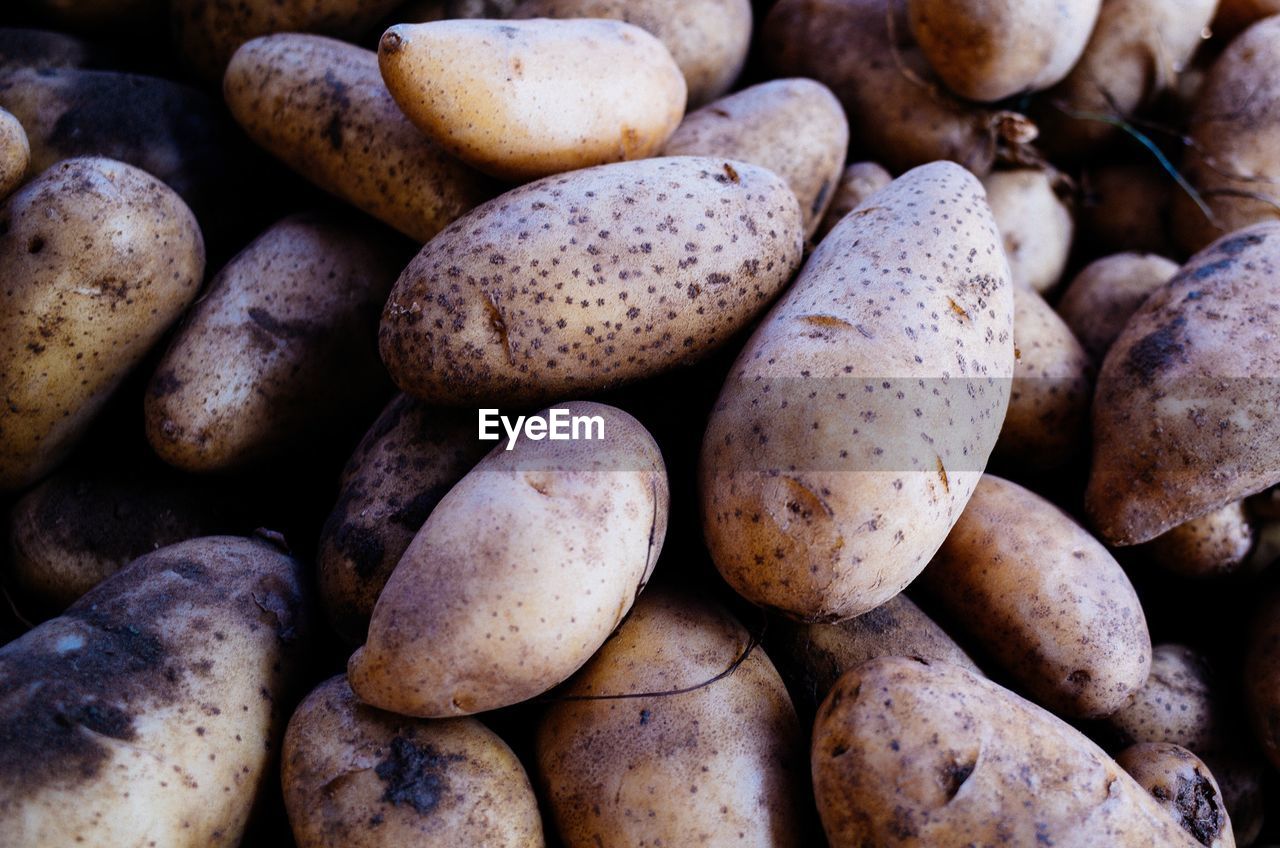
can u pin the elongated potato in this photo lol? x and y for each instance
(759, 125)
(858, 182)
(320, 106)
(1035, 225)
(520, 573)
(1101, 298)
(1184, 787)
(855, 424)
(98, 258)
(907, 752)
(1213, 545)
(719, 764)
(356, 777)
(148, 713)
(1262, 677)
(587, 280)
(15, 153)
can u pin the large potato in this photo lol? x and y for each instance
(1213, 545)
(148, 713)
(320, 106)
(1100, 299)
(857, 182)
(356, 777)
(853, 427)
(98, 259)
(1262, 677)
(587, 280)
(912, 753)
(1035, 225)
(520, 573)
(793, 127)
(1184, 787)
(715, 762)
(15, 153)
(1183, 418)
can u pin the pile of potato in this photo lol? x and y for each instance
(931, 348)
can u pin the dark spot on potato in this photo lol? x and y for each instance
(414, 775)
(731, 173)
(953, 777)
(413, 514)
(278, 328)
(1204, 272)
(35, 245)
(333, 131)
(1236, 245)
(361, 546)
(1197, 811)
(1157, 350)
(165, 384)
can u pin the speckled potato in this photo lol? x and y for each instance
(988, 50)
(1035, 225)
(588, 280)
(793, 127)
(1044, 599)
(722, 764)
(856, 422)
(1100, 299)
(526, 99)
(707, 38)
(1213, 545)
(1184, 787)
(149, 712)
(15, 153)
(520, 573)
(1126, 206)
(410, 458)
(320, 106)
(1262, 677)
(357, 777)
(907, 752)
(98, 258)
(1183, 417)
(858, 182)
(281, 347)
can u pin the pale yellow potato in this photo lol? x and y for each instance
(1126, 206)
(15, 153)
(912, 753)
(1100, 299)
(98, 258)
(1184, 787)
(856, 422)
(520, 573)
(357, 777)
(320, 106)
(858, 182)
(589, 280)
(1035, 225)
(150, 712)
(1213, 545)
(793, 127)
(720, 764)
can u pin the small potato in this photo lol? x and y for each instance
(1125, 206)
(1184, 787)
(149, 712)
(410, 458)
(912, 753)
(707, 38)
(15, 153)
(520, 573)
(858, 182)
(1099, 300)
(587, 280)
(758, 125)
(714, 762)
(526, 99)
(1262, 677)
(280, 347)
(39, 48)
(320, 106)
(1035, 225)
(356, 777)
(1212, 545)
(98, 259)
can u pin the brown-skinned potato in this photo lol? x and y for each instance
(15, 153)
(857, 182)
(1099, 300)
(1035, 225)
(1213, 545)
(1183, 785)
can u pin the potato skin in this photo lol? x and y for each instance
(720, 764)
(821, 520)
(320, 106)
(857, 182)
(1035, 225)
(148, 712)
(445, 783)
(280, 346)
(15, 153)
(759, 125)
(907, 752)
(1262, 677)
(1213, 545)
(1101, 298)
(587, 280)
(519, 575)
(84, 300)
(1184, 787)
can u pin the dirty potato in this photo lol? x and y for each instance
(1100, 299)
(858, 182)
(1185, 788)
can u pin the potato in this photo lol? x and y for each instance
(98, 258)
(1047, 424)
(1183, 413)
(1212, 545)
(759, 125)
(148, 713)
(356, 777)
(707, 38)
(526, 99)
(520, 573)
(1125, 206)
(1262, 677)
(15, 153)
(858, 182)
(280, 347)
(896, 110)
(1100, 299)
(1044, 599)
(410, 458)
(856, 422)
(1184, 787)
(38, 48)
(556, 287)
(687, 759)
(1035, 225)
(320, 106)
(935, 755)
